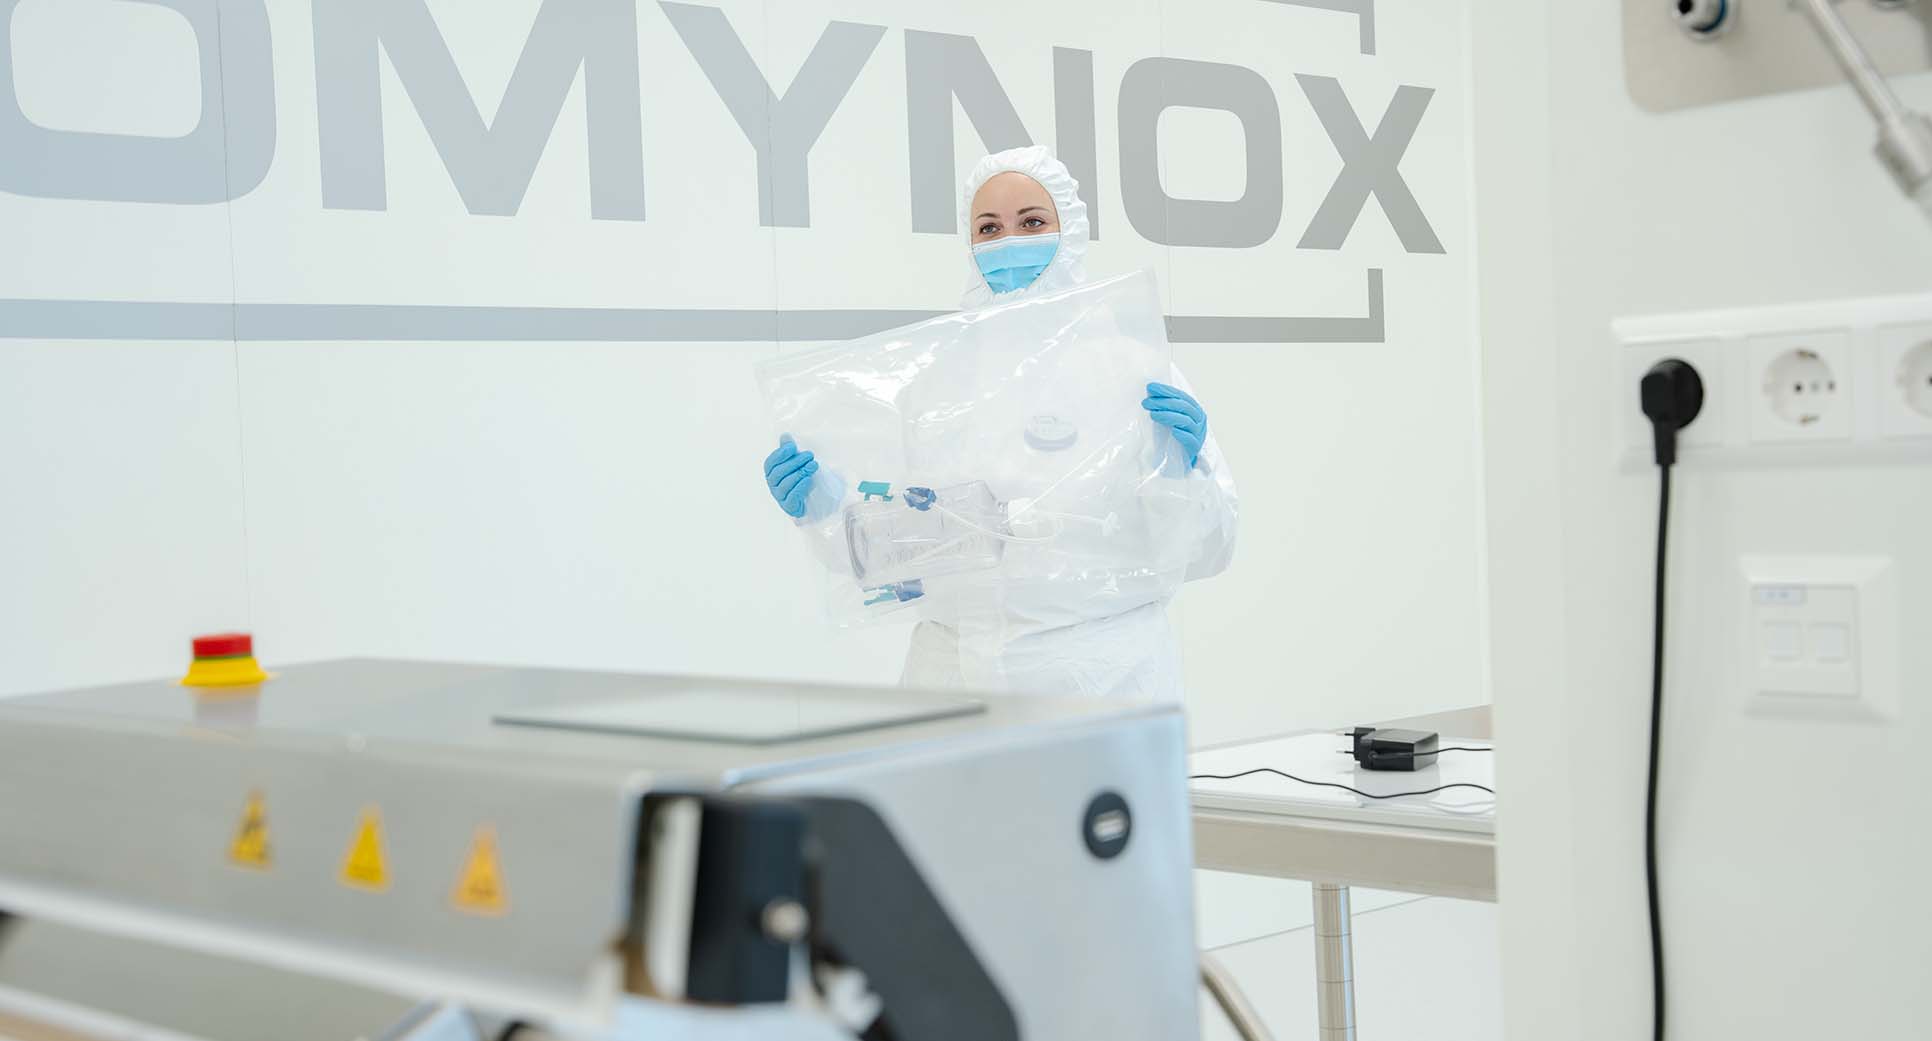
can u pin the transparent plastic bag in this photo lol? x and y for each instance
(994, 469)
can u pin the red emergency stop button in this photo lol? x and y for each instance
(224, 660)
(224, 645)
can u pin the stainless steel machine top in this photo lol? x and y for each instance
(485, 835)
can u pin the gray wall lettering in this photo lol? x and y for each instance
(782, 130)
(490, 163)
(939, 68)
(1073, 124)
(1369, 167)
(237, 92)
(1153, 85)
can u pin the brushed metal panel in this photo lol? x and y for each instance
(1770, 49)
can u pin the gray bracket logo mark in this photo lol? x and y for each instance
(1363, 10)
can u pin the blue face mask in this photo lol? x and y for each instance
(1015, 261)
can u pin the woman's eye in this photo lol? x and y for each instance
(988, 229)
(1034, 222)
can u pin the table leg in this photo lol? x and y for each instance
(1334, 964)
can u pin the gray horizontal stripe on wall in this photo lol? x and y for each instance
(425, 323)
(420, 323)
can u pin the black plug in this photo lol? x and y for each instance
(1672, 395)
(1384, 748)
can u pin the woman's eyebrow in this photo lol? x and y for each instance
(995, 216)
(1031, 209)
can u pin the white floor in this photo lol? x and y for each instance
(1425, 967)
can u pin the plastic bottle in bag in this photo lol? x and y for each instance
(925, 534)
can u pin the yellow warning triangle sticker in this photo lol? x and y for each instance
(364, 867)
(250, 848)
(480, 889)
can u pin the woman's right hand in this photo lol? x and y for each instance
(788, 474)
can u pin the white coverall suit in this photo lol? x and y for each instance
(1133, 652)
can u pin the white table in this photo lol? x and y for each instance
(1441, 845)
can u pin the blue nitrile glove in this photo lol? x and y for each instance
(788, 473)
(1177, 410)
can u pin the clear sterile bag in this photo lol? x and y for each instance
(994, 469)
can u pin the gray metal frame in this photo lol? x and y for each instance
(1771, 49)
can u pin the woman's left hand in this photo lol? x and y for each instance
(1177, 410)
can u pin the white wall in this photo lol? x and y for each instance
(1793, 878)
(595, 504)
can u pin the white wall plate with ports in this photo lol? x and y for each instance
(1819, 637)
(1801, 386)
(1905, 370)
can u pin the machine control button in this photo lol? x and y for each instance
(786, 921)
(1107, 826)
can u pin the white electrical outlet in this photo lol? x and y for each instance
(1905, 380)
(1809, 384)
(1801, 387)
(1710, 357)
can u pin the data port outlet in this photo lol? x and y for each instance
(1905, 380)
(1820, 637)
(1801, 387)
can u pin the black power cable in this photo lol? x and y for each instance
(1333, 784)
(1672, 394)
(1650, 788)
(1358, 791)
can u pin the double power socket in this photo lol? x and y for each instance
(1816, 381)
